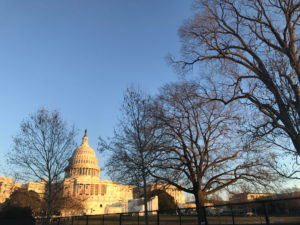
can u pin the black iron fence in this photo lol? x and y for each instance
(280, 211)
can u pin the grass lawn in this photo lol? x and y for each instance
(174, 220)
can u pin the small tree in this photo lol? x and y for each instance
(69, 205)
(41, 152)
(24, 198)
(132, 147)
(205, 152)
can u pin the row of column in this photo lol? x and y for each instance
(90, 189)
(83, 161)
(84, 171)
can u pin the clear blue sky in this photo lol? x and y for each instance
(78, 56)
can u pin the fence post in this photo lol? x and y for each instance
(138, 218)
(204, 214)
(266, 213)
(179, 217)
(87, 220)
(103, 219)
(72, 220)
(120, 218)
(232, 216)
(157, 217)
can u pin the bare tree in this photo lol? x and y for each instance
(204, 153)
(132, 147)
(68, 204)
(290, 170)
(257, 45)
(41, 152)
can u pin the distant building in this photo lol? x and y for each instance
(82, 181)
(137, 206)
(174, 192)
(193, 204)
(242, 197)
(6, 188)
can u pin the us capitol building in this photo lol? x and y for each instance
(82, 180)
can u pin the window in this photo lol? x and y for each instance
(96, 189)
(80, 189)
(103, 189)
(87, 189)
(92, 189)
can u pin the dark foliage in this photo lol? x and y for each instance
(16, 215)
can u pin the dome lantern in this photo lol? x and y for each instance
(85, 138)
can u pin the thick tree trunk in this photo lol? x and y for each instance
(201, 215)
(296, 143)
(145, 198)
(49, 203)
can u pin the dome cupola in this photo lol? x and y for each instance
(83, 162)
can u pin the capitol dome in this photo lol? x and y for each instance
(83, 162)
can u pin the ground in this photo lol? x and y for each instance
(173, 220)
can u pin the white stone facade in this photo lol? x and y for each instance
(6, 188)
(82, 180)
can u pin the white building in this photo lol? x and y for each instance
(82, 181)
